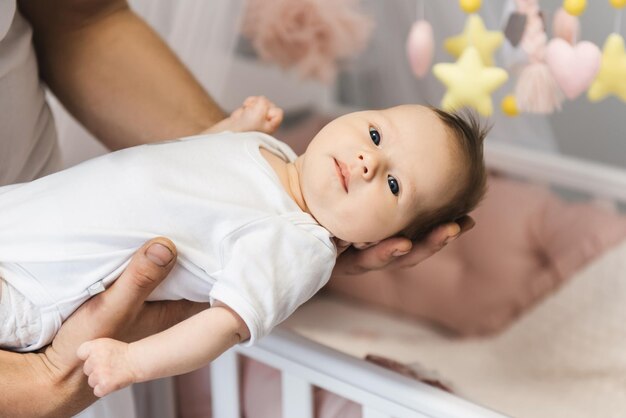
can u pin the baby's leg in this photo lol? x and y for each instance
(256, 114)
(20, 320)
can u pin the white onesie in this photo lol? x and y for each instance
(241, 239)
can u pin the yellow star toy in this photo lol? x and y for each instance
(475, 34)
(469, 82)
(611, 78)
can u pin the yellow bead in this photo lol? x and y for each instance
(618, 4)
(509, 106)
(575, 7)
(470, 6)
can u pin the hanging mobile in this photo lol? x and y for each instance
(471, 79)
(611, 78)
(575, 7)
(573, 64)
(420, 44)
(536, 90)
(474, 34)
(565, 26)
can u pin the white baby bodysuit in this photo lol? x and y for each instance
(241, 239)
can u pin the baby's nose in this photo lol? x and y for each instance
(369, 164)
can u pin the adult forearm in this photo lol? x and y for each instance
(31, 387)
(114, 73)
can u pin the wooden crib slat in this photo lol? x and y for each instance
(225, 385)
(297, 397)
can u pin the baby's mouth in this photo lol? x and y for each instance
(343, 173)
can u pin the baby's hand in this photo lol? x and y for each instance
(256, 114)
(107, 364)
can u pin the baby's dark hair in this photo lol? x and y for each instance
(468, 133)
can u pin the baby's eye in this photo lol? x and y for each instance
(375, 136)
(393, 185)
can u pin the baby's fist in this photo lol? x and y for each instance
(107, 365)
(257, 114)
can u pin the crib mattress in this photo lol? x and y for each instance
(564, 358)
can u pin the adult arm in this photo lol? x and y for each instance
(114, 74)
(51, 383)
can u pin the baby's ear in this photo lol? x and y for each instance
(364, 245)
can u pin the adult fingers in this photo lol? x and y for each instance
(399, 252)
(465, 223)
(146, 270)
(435, 241)
(354, 261)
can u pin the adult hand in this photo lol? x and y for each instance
(397, 252)
(51, 382)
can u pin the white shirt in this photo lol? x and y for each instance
(28, 143)
(241, 238)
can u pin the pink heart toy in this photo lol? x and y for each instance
(573, 67)
(420, 46)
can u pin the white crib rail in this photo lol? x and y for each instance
(568, 172)
(382, 393)
(305, 363)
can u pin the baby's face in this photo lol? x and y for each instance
(365, 174)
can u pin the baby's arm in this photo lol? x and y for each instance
(195, 342)
(256, 114)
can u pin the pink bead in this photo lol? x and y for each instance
(420, 47)
(566, 26)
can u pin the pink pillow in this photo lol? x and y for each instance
(526, 243)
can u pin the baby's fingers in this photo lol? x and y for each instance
(273, 119)
(260, 102)
(101, 386)
(103, 389)
(84, 350)
(100, 391)
(250, 101)
(102, 381)
(275, 114)
(88, 367)
(93, 380)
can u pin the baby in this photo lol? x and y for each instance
(257, 228)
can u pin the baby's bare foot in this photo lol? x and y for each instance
(256, 114)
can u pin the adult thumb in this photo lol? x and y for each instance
(147, 269)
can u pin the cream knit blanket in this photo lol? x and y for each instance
(565, 358)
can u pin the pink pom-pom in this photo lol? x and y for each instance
(574, 67)
(536, 90)
(565, 26)
(420, 45)
(314, 36)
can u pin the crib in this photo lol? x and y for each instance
(304, 363)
